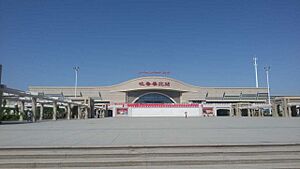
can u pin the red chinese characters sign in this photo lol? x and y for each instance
(160, 84)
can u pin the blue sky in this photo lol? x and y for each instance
(205, 43)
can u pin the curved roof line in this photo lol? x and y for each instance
(150, 77)
(147, 77)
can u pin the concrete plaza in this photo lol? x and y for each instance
(151, 131)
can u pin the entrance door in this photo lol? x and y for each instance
(223, 112)
(108, 113)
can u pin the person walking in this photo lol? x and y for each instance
(29, 116)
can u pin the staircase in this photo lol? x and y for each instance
(158, 157)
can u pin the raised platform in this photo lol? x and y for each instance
(152, 143)
(151, 131)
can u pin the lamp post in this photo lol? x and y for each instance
(76, 69)
(267, 69)
(255, 67)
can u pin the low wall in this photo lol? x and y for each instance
(164, 110)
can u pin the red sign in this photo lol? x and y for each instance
(161, 84)
(164, 105)
(155, 73)
(122, 111)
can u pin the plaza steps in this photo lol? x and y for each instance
(158, 157)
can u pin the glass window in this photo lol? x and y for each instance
(154, 98)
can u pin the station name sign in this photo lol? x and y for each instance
(160, 84)
(155, 72)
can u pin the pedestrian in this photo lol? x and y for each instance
(185, 114)
(29, 118)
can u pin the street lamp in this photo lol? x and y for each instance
(76, 69)
(255, 67)
(267, 69)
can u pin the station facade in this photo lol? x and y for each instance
(164, 96)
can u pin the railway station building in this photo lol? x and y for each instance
(163, 96)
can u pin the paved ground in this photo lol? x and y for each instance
(151, 131)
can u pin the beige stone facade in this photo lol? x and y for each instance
(181, 92)
(101, 97)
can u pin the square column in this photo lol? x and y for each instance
(231, 112)
(289, 111)
(275, 112)
(22, 110)
(114, 113)
(96, 113)
(285, 108)
(41, 111)
(85, 113)
(79, 112)
(237, 111)
(1, 93)
(54, 110)
(259, 112)
(69, 111)
(33, 107)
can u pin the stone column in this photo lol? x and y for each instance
(90, 108)
(114, 113)
(65, 110)
(69, 111)
(33, 108)
(214, 110)
(285, 108)
(1, 93)
(289, 111)
(103, 113)
(231, 112)
(275, 112)
(41, 111)
(21, 110)
(96, 113)
(54, 110)
(237, 111)
(85, 113)
(79, 112)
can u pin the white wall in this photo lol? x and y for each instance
(167, 111)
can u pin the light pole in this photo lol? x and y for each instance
(255, 67)
(76, 69)
(267, 69)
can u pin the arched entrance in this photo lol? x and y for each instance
(154, 97)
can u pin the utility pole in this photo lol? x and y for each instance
(76, 69)
(255, 67)
(267, 69)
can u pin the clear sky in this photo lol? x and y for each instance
(205, 43)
